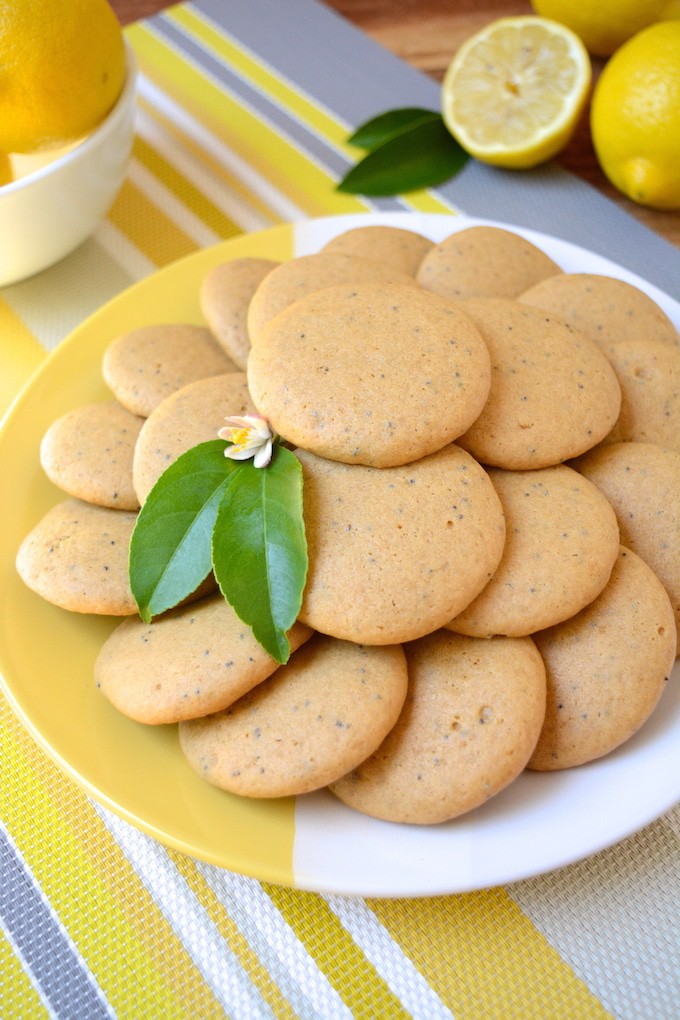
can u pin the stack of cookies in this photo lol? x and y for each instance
(490, 450)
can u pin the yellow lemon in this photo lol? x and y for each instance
(514, 91)
(62, 67)
(635, 117)
(604, 25)
(5, 169)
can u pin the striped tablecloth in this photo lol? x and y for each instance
(244, 109)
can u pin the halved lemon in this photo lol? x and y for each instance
(513, 93)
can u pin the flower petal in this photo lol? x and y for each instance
(263, 455)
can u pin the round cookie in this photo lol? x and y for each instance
(395, 553)
(88, 454)
(190, 662)
(471, 720)
(484, 262)
(641, 481)
(316, 718)
(404, 250)
(146, 365)
(606, 667)
(604, 309)
(553, 393)
(189, 416)
(77, 557)
(649, 376)
(303, 275)
(561, 543)
(224, 297)
(370, 374)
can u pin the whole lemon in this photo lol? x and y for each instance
(635, 117)
(62, 67)
(604, 25)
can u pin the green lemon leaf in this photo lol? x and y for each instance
(380, 129)
(260, 551)
(170, 549)
(422, 156)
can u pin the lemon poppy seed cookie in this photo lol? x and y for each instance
(88, 453)
(225, 295)
(603, 308)
(642, 483)
(370, 374)
(191, 661)
(146, 365)
(471, 720)
(189, 416)
(77, 557)
(484, 262)
(606, 667)
(395, 553)
(393, 246)
(308, 273)
(561, 543)
(553, 392)
(649, 376)
(316, 718)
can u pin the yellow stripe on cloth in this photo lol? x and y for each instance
(327, 127)
(20, 352)
(185, 190)
(235, 184)
(16, 987)
(233, 937)
(335, 953)
(280, 162)
(124, 938)
(484, 958)
(148, 227)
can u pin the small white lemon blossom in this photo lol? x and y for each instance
(251, 437)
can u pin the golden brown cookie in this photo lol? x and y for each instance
(395, 553)
(191, 661)
(77, 557)
(471, 720)
(145, 366)
(404, 250)
(88, 453)
(484, 262)
(606, 667)
(649, 376)
(317, 717)
(225, 295)
(303, 275)
(603, 308)
(561, 543)
(189, 416)
(378, 374)
(642, 483)
(553, 393)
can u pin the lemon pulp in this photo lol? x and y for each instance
(514, 91)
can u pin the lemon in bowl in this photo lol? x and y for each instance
(635, 117)
(514, 92)
(67, 105)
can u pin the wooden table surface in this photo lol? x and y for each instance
(426, 34)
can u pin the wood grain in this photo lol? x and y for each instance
(426, 34)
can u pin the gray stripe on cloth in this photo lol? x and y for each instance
(322, 153)
(610, 915)
(355, 78)
(65, 984)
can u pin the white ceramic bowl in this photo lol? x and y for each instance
(48, 212)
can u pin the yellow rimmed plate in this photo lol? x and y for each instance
(540, 822)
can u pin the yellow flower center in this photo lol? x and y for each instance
(239, 437)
